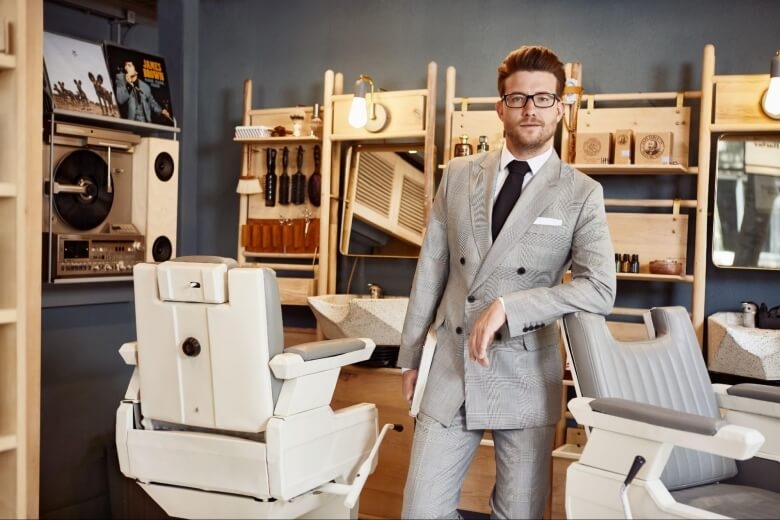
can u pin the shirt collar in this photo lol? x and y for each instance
(535, 163)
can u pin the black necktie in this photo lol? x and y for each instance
(509, 194)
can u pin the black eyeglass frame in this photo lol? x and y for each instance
(530, 97)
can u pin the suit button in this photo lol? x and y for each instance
(462, 261)
(521, 270)
(458, 330)
(471, 299)
(498, 336)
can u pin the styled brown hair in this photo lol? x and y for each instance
(531, 58)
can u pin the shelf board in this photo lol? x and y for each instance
(7, 61)
(7, 443)
(304, 139)
(117, 122)
(7, 316)
(748, 127)
(7, 189)
(291, 256)
(648, 277)
(379, 136)
(649, 203)
(628, 311)
(636, 169)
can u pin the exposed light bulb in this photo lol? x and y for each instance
(770, 103)
(358, 114)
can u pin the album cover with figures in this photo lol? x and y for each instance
(140, 82)
(76, 76)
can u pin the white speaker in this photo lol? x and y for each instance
(156, 195)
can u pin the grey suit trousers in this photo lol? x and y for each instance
(442, 455)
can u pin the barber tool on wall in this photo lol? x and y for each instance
(315, 180)
(270, 177)
(298, 180)
(284, 179)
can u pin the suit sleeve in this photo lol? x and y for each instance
(430, 279)
(593, 283)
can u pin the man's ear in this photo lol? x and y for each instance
(500, 109)
(559, 108)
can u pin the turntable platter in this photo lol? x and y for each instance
(88, 170)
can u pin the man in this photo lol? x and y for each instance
(136, 95)
(493, 295)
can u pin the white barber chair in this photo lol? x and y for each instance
(652, 401)
(218, 420)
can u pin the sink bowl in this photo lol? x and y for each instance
(358, 316)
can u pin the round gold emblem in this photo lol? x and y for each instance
(651, 146)
(592, 146)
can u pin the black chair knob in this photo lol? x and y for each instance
(191, 347)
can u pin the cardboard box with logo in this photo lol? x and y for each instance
(653, 148)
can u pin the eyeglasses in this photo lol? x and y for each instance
(540, 99)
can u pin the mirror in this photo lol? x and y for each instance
(746, 225)
(383, 212)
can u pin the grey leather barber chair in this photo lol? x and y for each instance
(697, 450)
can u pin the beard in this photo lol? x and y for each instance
(530, 141)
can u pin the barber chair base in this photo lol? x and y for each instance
(595, 493)
(189, 503)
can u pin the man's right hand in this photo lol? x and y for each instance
(408, 382)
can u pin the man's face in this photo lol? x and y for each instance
(529, 130)
(130, 68)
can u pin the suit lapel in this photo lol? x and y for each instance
(482, 182)
(536, 197)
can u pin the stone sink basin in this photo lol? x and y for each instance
(359, 316)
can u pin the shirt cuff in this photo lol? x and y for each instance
(503, 305)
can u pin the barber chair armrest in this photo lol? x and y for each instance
(661, 425)
(318, 356)
(749, 398)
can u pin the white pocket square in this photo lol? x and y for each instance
(547, 221)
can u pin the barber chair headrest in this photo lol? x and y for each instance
(198, 279)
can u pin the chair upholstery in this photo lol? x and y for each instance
(666, 371)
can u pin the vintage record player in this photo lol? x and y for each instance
(88, 187)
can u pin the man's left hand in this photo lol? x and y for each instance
(484, 331)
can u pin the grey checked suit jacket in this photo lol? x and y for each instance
(559, 221)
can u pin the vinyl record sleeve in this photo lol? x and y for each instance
(76, 76)
(140, 81)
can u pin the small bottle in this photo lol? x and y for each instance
(625, 264)
(483, 144)
(617, 262)
(270, 177)
(463, 148)
(315, 125)
(634, 263)
(297, 122)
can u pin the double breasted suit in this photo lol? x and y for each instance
(558, 223)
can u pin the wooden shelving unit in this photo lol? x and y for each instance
(302, 271)
(21, 104)
(730, 104)
(411, 120)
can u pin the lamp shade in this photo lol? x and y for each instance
(248, 185)
(771, 100)
(358, 112)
